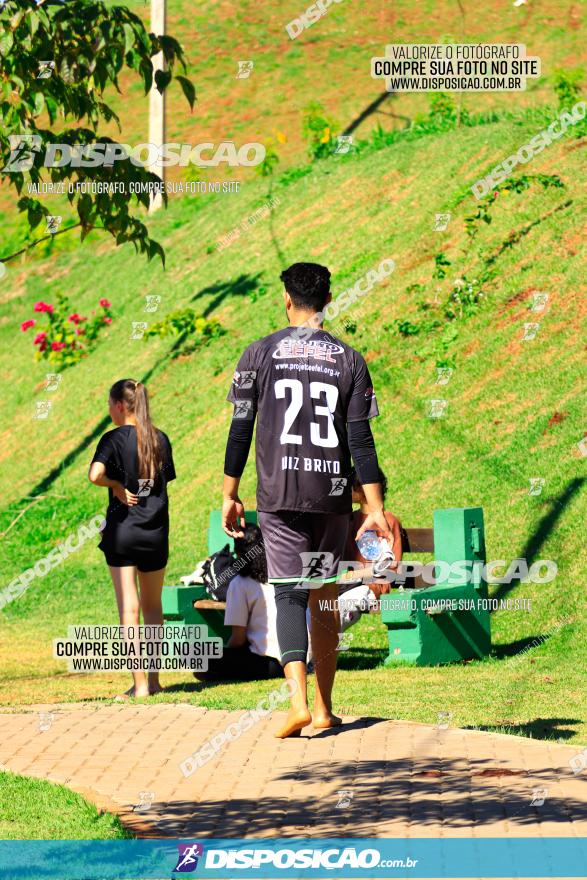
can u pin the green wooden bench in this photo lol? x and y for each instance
(417, 632)
(426, 630)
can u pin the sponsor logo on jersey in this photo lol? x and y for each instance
(314, 348)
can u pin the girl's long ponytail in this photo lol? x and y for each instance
(149, 453)
(134, 394)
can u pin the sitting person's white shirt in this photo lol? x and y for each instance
(252, 651)
(251, 605)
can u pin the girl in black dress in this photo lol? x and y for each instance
(135, 463)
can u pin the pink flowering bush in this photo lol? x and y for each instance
(66, 336)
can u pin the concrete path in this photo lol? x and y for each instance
(398, 779)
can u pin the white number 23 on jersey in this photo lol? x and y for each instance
(297, 397)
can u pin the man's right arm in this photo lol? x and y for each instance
(243, 395)
(235, 459)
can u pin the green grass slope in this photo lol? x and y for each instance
(330, 62)
(514, 407)
(33, 809)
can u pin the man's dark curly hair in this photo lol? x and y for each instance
(251, 550)
(308, 284)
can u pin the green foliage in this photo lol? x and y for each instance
(68, 336)
(195, 173)
(464, 299)
(466, 296)
(516, 185)
(192, 329)
(441, 262)
(350, 325)
(90, 44)
(443, 111)
(256, 293)
(271, 159)
(567, 87)
(407, 328)
(317, 128)
(292, 174)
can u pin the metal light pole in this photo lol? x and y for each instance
(156, 99)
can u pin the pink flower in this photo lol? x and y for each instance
(26, 324)
(105, 303)
(58, 346)
(43, 307)
(79, 331)
(75, 318)
(107, 320)
(40, 337)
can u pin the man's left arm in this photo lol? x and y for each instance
(362, 408)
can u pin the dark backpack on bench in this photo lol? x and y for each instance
(219, 570)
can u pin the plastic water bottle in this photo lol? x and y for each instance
(376, 550)
(369, 545)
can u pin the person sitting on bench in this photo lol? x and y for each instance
(252, 651)
(356, 599)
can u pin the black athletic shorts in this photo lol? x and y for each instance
(143, 561)
(303, 544)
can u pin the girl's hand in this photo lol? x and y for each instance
(124, 496)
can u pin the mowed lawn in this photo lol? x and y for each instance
(32, 809)
(514, 411)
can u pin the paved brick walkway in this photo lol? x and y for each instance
(402, 779)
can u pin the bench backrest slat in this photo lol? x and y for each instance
(418, 540)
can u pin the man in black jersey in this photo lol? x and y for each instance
(313, 397)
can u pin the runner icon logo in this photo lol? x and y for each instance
(245, 379)
(189, 853)
(243, 409)
(338, 485)
(315, 567)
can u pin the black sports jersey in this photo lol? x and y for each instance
(143, 528)
(303, 392)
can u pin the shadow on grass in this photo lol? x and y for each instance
(371, 108)
(540, 728)
(361, 658)
(546, 525)
(243, 285)
(520, 646)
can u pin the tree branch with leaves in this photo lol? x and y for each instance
(89, 45)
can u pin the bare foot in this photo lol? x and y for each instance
(131, 692)
(154, 684)
(294, 723)
(323, 722)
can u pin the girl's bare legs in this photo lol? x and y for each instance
(127, 598)
(151, 583)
